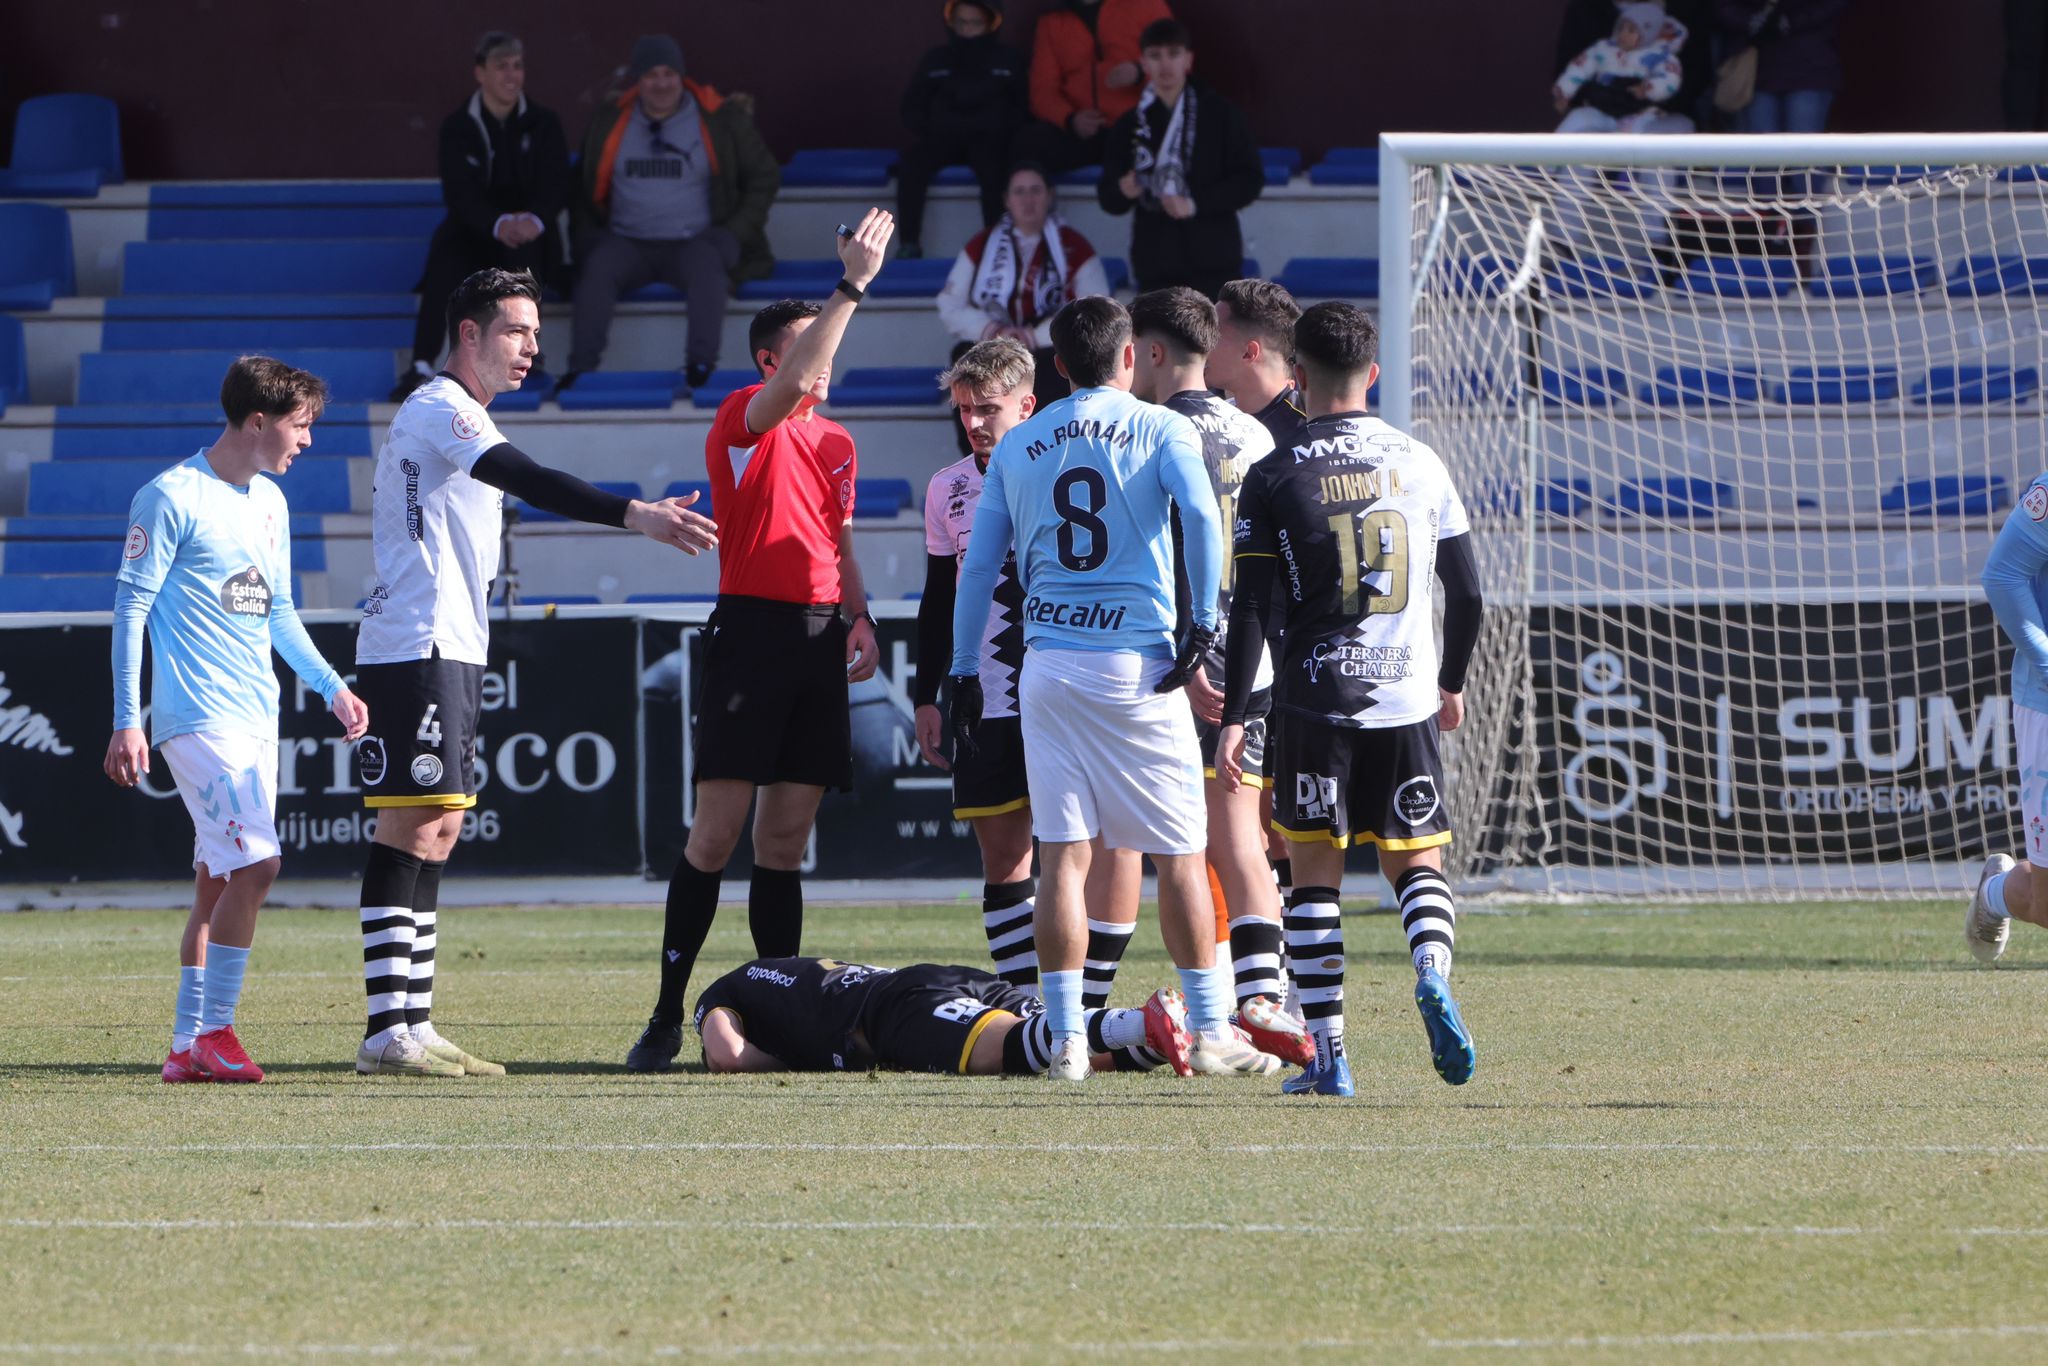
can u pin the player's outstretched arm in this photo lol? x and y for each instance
(812, 351)
(2017, 558)
(726, 1048)
(1464, 605)
(506, 467)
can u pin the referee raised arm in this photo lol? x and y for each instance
(790, 631)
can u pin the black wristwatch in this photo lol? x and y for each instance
(868, 617)
(850, 289)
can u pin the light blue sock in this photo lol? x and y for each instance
(185, 1025)
(225, 965)
(1994, 896)
(1209, 992)
(1062, 992)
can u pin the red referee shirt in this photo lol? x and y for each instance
(780, 499)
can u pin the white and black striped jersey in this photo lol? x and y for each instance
(1232, 442)
(949, 503)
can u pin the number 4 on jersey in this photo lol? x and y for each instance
(429, 732)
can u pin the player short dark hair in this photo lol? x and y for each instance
(1265, 309)
(770, 321)
(476, 299)
(1166, 33)
(497, 40)
(1336, 340)
(259, 384)
(1089, 335)
(1182, 317)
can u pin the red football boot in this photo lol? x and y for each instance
(217, 1055)
(1273, 1030)
(1166, 1029)
(178, 1068)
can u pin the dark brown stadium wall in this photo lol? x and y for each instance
(242, 89)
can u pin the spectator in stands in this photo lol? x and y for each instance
(964, 104)
(1798, 68)
(1085, 75)
(1011, 278)
(505, 179)
(1186, 161)
(677, 184)
(1688, 31)
(1621, 83)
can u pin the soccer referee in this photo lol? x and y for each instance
(790, 631)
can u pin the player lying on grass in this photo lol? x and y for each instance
(821, 1015)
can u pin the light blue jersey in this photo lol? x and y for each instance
(1086, 491)
(208, 568)
(2016, 580)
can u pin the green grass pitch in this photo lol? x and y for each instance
(1719, 1133)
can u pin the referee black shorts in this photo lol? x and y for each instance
(926, 1018)
(772, 707)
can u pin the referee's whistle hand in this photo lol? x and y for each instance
(672, 523)
(862, 253)
(861, 654)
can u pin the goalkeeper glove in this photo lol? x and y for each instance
(966, 713)
(1200, 640)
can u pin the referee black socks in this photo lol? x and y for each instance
(775, 912)
(692, 902)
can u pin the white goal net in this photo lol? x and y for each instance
(1737, 419)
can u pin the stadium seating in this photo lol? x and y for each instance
(13, 363)
(1590, 386)
(882, 497)
(840, 167)
(1331, 277)
(35, 256)
(1347, 166)
(1957, 384)
(1999, 275)
(650, 599)
(1839, 384)
(56, 592)
(1850, 276)
(1564, 497)
(91, 545)
(722, 385)
(1693, 386)
(65, 146)
(618, 389)
(887, 386)
(1281, 163)
(258, 334)
(293, 194)
(529, 513)
(683, 488)
(1600, 277)
(144, 307)
(1748, 277)
(174, 430)
(375, 265)
(1948, 495)
(536, 389)
(295, 221)
(1674, 496)
(194, 376)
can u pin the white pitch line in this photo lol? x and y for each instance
(921, 1149)
(103, 1350)
(1762, 1337)
(214, 1225)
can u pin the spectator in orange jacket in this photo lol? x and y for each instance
(1084, 77)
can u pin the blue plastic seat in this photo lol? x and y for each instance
(882, 497)
(1586, 386)
(1947, 495)
(530, 513)
(56, 592)
(1846, 277)
(194, 376)
(1975, 275)
(559, 600)
(1080, 175)
(1600, 277)
(13, 363)
(597, 390)
(920, 279)
(537, 388)
(1331, 277)
(803, 278)
(1674, 496)
(255, 334)
(1347, 166)
(191, 194)
(35, 256)
(722, 385)
(361, 266)
(887, 386)
(1808, 384)
(1571, 497)
(92, 545)
(1696, 386)
(143, 307)
(1741, 277)
(73, 488)
(1483, 276)
(1949, 384)
(64, 146)
(843, 167)
(172, 431)
(1281, 163)
(258, 223)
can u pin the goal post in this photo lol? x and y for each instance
(1737, 419)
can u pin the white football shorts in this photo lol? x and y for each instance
(1107, 756)
(229, 783)
(2030, 750)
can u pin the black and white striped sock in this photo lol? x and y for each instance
(1028, 1050)
(1006, 910)
(1106, 945)
(1257, 949)
(1429, 917)
(389, 880)
(419, 987)
(1315, 949)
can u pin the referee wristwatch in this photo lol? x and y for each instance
(868, 617)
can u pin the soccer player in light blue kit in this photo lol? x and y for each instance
(2016, 580)
(1085, 490)
(207, 572)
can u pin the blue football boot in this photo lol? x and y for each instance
(1321, 1079)
(1450, 1045)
